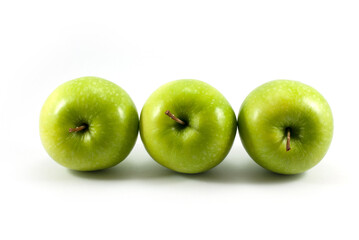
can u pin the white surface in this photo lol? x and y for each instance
(233, 45)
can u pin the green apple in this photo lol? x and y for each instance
(285, 126)
(187, 126)
(88, 124)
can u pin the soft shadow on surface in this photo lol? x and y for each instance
(243, 171)
(128, 170)
(231, 171)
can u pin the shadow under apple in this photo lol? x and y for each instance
(230, 171)
(245, 171)
(127, 170)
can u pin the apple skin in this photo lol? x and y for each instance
(107, 110)
(273, 107)
(206, 138)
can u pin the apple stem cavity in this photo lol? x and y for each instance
(77, 129)
(168, 113)
(288, 140)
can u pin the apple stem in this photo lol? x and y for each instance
(288, 140)
(77, 129)
(168, 113)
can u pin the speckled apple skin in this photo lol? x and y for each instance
(208, 136)
(269, 110)
(108, 111)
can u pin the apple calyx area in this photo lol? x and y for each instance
(168, 113)
(288, 140)
(77, 129)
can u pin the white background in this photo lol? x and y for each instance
(233, 45)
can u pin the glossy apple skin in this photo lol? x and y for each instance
(106, 109)
(275, 106)
(206, 139)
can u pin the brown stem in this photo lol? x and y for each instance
(168, 113)
(77, 129)
(288, 140)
